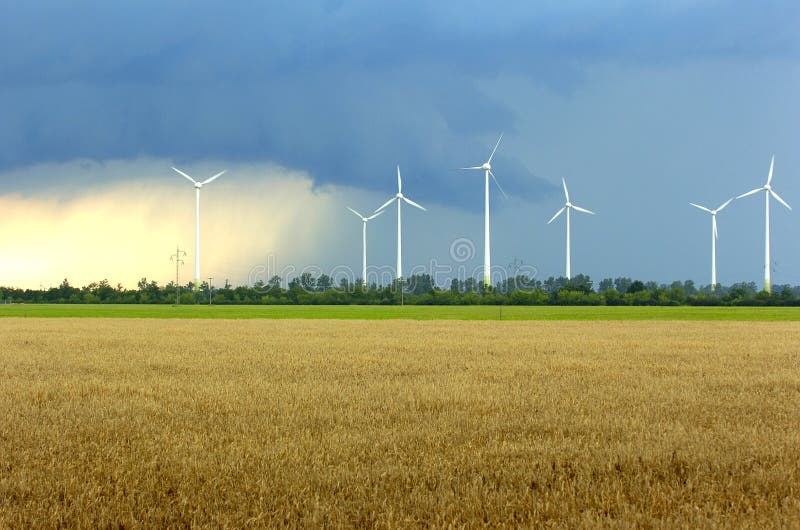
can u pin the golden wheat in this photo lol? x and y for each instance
(397, 424)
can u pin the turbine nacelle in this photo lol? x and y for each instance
(487, 166)
(364, 218)
(399, 196)
(199, 184)
(767, 188)
(713, 212)
(568, 205)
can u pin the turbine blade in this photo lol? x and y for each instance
(701, 207)
(750, 193)
(473, 167)
(714, 223)
(584, 210)
(412, 203)
(215, 177)
(557, 214)
(355, 212)
(566, 193)
(771, 166)
(387, 203)
(499, 187)
(495, 147)
(373, 216)
(778, 198)
(724, 204)
(185, 175)
(399, 181)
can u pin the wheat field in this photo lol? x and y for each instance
(398, 424)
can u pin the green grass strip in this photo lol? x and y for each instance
(405, 312)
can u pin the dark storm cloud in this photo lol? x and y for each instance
(344, 90)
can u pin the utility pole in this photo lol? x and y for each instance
(177, 258)
(210, 279)
(513, 269)
(515, 265)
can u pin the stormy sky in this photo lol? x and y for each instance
(641, 106)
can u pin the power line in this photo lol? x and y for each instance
(177, 258)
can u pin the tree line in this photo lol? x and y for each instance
(419, 289)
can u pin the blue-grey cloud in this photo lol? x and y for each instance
(342, 89)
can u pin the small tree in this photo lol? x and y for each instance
(634, 287)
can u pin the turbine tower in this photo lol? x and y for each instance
(399, 198)
(767, 189)
(568, 206)
(713, 239)
(197, 186)
(364, 242)
(486, 167)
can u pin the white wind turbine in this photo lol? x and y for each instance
(399, 198)
(486, 167)
(568, 206)
(767, 189)
(364, 242)
(713, 238)
(197, 186)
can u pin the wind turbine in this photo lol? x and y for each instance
(713, 238)
(399, 198)
(767, 189)
(568, 206)
(197, 186)
(486, 167)
(364, 242)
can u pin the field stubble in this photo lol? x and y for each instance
(396, 423)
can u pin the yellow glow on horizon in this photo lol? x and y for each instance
(127, 229)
